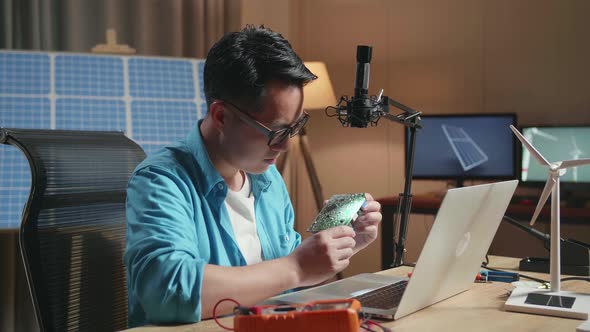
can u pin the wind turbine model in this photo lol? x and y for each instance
(553, 302)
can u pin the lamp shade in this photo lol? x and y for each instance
(318, 94)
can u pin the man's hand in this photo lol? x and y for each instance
(366, 226)
(324, 254)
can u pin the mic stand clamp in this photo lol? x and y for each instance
(411, 119)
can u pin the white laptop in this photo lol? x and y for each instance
(460, 237)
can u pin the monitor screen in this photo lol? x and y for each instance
(556, 144)
(465, 147)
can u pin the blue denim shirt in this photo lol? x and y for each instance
(177, 223)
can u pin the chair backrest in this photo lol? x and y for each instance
(72, 235)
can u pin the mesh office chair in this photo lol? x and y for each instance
(72, 235)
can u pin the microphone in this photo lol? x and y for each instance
(362, 109)
(360, 113)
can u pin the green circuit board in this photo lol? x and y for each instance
(341, 210)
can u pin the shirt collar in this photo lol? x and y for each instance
(209, 174)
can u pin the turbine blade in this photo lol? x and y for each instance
(574, 163)
(547, 136)
(529, 147)
(544, 195)
(574, 142)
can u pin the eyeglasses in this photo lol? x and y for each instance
(275, 137)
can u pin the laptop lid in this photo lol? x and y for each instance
(462, 233)
(456, 246)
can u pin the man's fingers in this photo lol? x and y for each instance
(369, 218)
(368, 229)
(341, 231)
(344, 242)
(371, 206)
(341, 265)
(343, 254)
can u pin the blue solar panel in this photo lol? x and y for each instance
(154, 100)
(201, 80)
(157, 78)
(15, 183)
(149, 124)
(150, 148)
(24, 73)
(90, 114)
(203, 109)
(82, 75)
(21, 112)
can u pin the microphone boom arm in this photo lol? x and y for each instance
(411, 119)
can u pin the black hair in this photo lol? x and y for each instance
(240, 64)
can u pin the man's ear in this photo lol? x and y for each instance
(217, 114)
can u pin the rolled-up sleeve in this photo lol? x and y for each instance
(164, 268)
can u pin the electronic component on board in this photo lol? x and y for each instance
(341, 210)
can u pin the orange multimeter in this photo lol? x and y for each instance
(331, 315)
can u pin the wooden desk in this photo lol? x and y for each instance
(429, 204)
(478, 309)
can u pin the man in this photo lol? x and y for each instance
(210, 217)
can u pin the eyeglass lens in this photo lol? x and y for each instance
(281, 135)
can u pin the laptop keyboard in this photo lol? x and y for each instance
(384, 298)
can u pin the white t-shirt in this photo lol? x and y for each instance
(240, 207)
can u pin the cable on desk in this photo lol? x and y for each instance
(576, 278)
(538, 234)
(215, 312)
(367, 328)
(367, 324)
(529, 229)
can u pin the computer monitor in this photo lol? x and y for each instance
(462, 147)
(556, 143)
